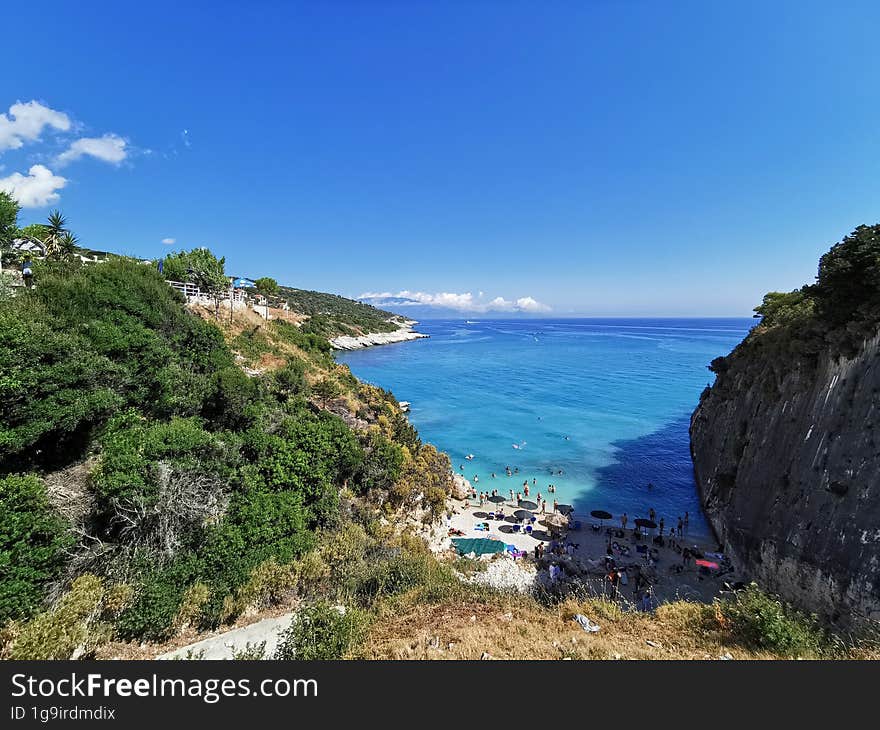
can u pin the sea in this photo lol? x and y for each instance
(599, 408)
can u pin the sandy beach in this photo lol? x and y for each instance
(584, 551)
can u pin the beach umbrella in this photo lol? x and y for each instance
(642, 522)
(497, 498)
(601, 514)
(526, 504)
(522, 514)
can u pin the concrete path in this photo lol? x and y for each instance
(225, 645)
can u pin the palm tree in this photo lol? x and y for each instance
(67, 245)
(56, 229)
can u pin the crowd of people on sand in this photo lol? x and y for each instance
(632, 550)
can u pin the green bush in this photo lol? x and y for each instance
(33, 540)
(382, 464)
(763, 622)
(233, 400)
(85, 343)
(290, 380)
(132, 446)
(322, 631)
(156, 606)
(390, 572)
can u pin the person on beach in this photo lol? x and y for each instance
(519, 497)
(652, 514)
(680, 523)
(613, 579)
(526, 490)
(511, 495)
(555, 506)
(661, 527)
(623, 520)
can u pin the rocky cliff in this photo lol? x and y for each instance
(786, 458)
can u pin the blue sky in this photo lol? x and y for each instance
(607, 158)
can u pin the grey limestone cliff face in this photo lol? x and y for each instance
(788, 467)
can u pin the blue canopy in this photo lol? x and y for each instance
(242, 283)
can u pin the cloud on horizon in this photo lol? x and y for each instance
(169, 241)
(465, 302)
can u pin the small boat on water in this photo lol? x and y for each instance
(404, 406)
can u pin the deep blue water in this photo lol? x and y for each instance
(621, 390)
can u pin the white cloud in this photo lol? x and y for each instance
(34, 190)
(26, 122)
(169, 241)
(465, 302)
(109, 148)
(527, 304)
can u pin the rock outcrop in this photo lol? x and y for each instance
(403, 334)
(787, 460)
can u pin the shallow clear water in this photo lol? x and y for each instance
(607, 401)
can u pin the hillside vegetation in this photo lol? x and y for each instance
(331, 315)
(832, 315)
(189, 490)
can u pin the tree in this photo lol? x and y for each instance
(267, 286)
(9, 209)
(55, 230)
(67, 246)
(847, 286)
(199, 267)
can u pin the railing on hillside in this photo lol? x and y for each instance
(186, 288)
(191, 291)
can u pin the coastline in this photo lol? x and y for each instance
(405, 333)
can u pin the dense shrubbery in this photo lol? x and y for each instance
(762, 622)
(321, 631)
(85, 343)
(32, 544)
(209, 485)
(832, 315)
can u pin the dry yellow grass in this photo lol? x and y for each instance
(519, 628)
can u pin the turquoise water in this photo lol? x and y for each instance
(605, 401)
